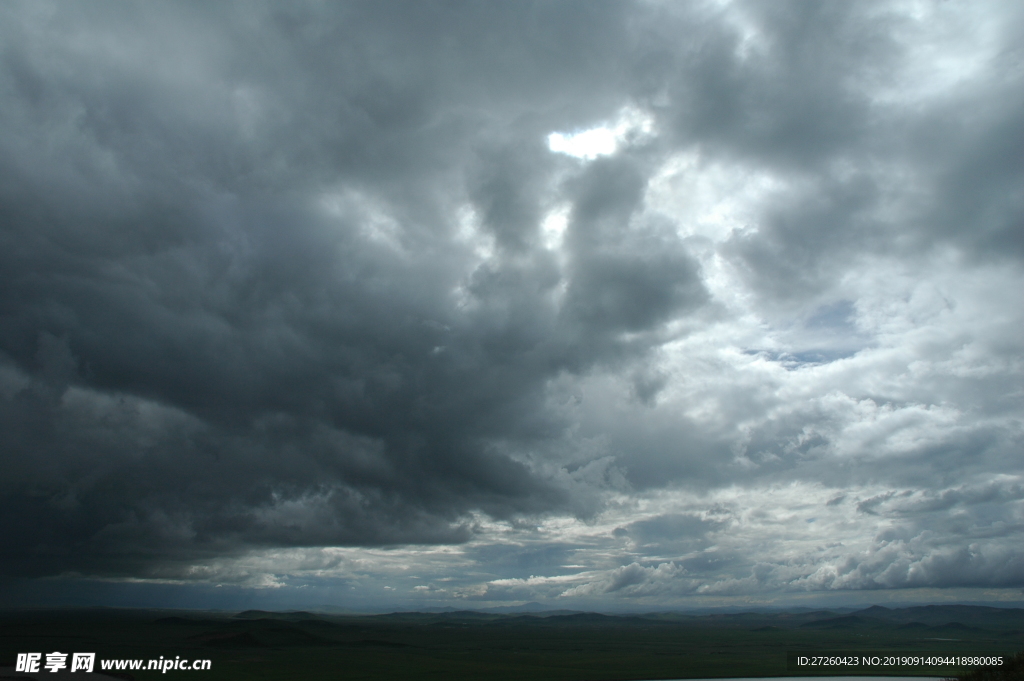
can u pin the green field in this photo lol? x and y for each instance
(470, 645)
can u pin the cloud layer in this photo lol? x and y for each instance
(601, 303)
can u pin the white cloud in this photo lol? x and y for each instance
(631, 126)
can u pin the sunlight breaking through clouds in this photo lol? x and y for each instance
(632, 126)
(601, 305)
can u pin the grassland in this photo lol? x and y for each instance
(470, 645)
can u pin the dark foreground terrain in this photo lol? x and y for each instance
(471, 645)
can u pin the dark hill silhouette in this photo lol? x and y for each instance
(914, 625)
(228, 639)
(934, 615)
(261, 633)
(955, 626)
(847, 622)
(267, 614)
(182, 620)
(251, 614)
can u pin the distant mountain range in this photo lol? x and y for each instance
(505, 609)
(949, 618)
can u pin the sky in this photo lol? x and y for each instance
(615, 306)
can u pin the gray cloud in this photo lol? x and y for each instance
(313, 278)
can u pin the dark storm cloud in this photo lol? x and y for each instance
(213, 362)
(793, 100)
(286, 277)
(624, 280)
(981, 183)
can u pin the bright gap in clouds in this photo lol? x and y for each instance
(631, 126)
(391, 344)
(553, 227)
